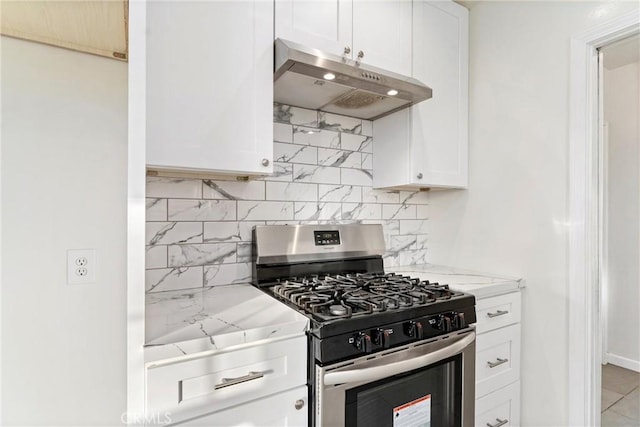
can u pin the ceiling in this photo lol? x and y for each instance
(97, 27)
(621, 53)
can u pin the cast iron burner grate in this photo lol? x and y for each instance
(347, 295)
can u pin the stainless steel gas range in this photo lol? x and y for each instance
(384, 349)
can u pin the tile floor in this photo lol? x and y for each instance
(620, 397)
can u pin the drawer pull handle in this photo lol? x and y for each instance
(498, 313)
(498, 363)
(227, 382)
(499, 423)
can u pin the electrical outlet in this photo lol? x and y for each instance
(82, 266)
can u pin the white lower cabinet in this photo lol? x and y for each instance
(497, 312)
(498, 361)
(202, 387)
(500, 408)
(289, 408)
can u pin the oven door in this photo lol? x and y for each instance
(429, 383)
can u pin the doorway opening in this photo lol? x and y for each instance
(619, 160)
(585, 205)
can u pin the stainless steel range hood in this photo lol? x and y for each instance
(313, 79)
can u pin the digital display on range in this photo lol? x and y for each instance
(331, 237)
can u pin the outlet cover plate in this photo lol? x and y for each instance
(79, 273)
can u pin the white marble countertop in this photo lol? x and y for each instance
(179, 323)
(189, 321)
(482, 285)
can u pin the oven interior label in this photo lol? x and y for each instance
(416, 413)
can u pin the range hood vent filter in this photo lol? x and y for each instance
(357, 99)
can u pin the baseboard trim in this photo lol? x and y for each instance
(623, 362)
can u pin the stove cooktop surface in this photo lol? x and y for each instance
(342, 302)
(343, 296)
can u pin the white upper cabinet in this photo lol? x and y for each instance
(439, 125)
(382, 31)
(427, 145)
(210, 86)
(379, 29)
(320, 24)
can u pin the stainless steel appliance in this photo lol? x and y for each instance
(309, 78)
(384, 349)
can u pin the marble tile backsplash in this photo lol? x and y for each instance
(198, 231)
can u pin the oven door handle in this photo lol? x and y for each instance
(378, 372)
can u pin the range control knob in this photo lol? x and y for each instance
(414, 330)
(363, 342)
(444, 323)
(459, 321)
(382, 337)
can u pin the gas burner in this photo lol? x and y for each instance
(337, 310)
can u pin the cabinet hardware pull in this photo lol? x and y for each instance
(419, 176)
(498, 313)
(347, 51)
(499, 423)
(299, 404)
(265, 162)
(360, 56)
(498, 363)
(226, 382)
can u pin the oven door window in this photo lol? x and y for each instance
(427, 397)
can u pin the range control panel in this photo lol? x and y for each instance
(330, 237)
(371, 340)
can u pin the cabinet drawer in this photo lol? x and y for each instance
(500, 406)
(210, 383)
(496, 312)
(497, 359)
(275, 410)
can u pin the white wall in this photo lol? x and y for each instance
(513, 217)
(621, 111)
(64, 186)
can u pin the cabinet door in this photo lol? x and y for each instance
(439, 125)
(288, 408)
(195, 387)
(498, 312)
(497, 359)
(382, 31)
(319, 24)
(210, 86)
(502, 407)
